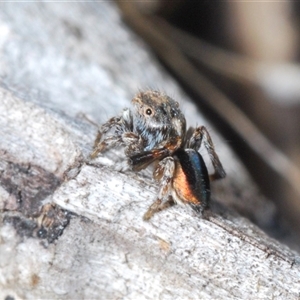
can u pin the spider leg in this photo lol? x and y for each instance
(122, 126)
(195, 141)
(164, 173)
(109, 141)
(158, 206)
(133, 143)
(142, 160)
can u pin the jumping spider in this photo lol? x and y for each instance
(154, 131)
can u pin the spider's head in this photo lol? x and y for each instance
(158, 119)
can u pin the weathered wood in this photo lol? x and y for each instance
(82, 59)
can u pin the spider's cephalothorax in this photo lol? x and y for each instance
(158, 121)
(154, 130)
(155, 121)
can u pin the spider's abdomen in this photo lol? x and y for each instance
(191, 179)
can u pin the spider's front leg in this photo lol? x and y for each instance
(164, 174)
(108, 142)
(140, 160)
(200, 135)
(122, 135)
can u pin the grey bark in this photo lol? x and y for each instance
(58, 62)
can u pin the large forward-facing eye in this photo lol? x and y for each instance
(149, 112)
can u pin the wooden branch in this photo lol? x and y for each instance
(72, 228)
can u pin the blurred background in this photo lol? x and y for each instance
(239, 62)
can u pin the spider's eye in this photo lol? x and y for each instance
(148, 111)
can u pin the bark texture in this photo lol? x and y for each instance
(73, 229)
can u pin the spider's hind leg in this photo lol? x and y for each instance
(200, 135)
(158, 206)
(164, 174)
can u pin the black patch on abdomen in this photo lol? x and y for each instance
(196, 173)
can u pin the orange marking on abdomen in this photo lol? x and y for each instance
(182, 187)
